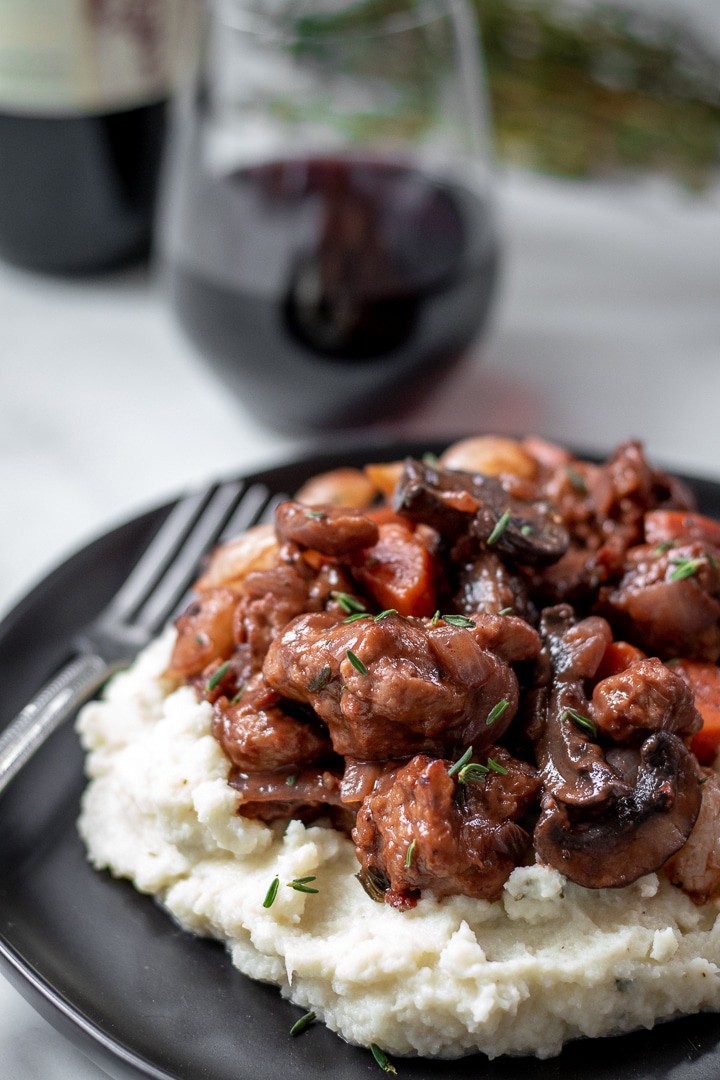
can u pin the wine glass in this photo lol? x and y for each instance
(328, 233)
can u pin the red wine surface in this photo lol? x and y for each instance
(321, 288)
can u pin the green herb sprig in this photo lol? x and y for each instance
(581, 721)
(356, 662)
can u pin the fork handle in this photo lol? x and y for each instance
(58, 700)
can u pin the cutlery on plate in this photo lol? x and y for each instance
(154, 591)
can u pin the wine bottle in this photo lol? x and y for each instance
(83, 96)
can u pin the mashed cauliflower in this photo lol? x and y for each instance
(549, 962)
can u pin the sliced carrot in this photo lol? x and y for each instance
(704, 681)
(384, 515)
(399, 571)
(617, 656)
(668, 526)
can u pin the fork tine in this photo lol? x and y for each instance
(249, 510)
(157, 557)
(163, 600)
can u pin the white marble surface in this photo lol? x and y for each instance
(608, 326)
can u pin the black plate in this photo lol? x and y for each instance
(110, 970)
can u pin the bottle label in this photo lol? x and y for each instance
(60, 56)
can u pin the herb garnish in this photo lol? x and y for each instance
(409, 855)
(218, 676)
(319, 514)
(581, 721)
(506, 610)
(300, 884)
(291, 780)
(500, 526)
(685, 568)
(429, 458)
(384, 614)
(356, 662)
(358, 615)
(461, 762)
(304, 1021)
(526, 530)
(382, 1059)
(271, 893)
(459, 620)
(497, 710)
(436, 618)
(320, 681)
(577, 481)
(350, 604)
(666, 545)
(237, 696)
(475, 772)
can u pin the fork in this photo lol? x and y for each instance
(154, 591)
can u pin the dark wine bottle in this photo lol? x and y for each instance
(83, 96)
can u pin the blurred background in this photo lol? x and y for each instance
(604, 128)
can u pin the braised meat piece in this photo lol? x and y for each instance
(332, 530)
(204, 633)
(668, 601)
(273, 597)
(258, 734)
(394, 687)
(647, 696)
(337, 693)
(696, 866)
(604, 508)
(423, 829)
(459, 504)
(486, 584)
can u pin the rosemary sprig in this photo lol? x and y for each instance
(382, 1059)
(500, 526)
(301, 884)
(320, 681)
(461, 762)
(271, 893)
(409, 854)
(577, 481)
(356, 662)
(218, 676)
(459, 620)
(685, 568)
(304, 1022)
(581, 721)
(350, 604)
(496, 712)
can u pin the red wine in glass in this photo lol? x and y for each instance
(330, 291)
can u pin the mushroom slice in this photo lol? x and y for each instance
(458, 503)
(637, 834)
